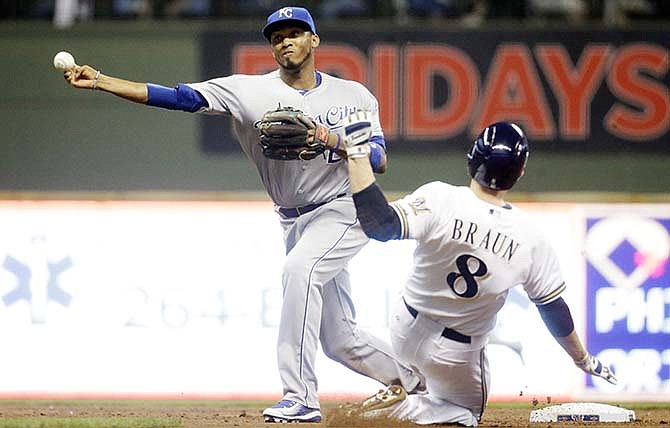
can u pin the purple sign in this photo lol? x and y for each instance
(628, 300)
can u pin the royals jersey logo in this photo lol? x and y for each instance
(334, 116)
(333, 120)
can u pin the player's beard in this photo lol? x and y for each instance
(294, 66)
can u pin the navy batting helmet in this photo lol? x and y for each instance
(499, 155)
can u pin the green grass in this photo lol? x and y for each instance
(96, 422)
(41, 402)
(46, 420)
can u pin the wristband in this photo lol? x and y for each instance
(95, 80)
(321, 133)
(583, 362)
(339, 140)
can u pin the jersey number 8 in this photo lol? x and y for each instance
(463, 265)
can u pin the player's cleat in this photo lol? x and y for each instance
(380, 403)
(291, 411)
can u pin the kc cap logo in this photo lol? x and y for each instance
(286, 12)
(627, 249)
(287, 17)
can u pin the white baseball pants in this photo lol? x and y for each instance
(457, 374)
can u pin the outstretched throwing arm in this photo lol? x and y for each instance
(87, 77)
(181, 97)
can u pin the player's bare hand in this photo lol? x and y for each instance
(81, 76)
(593, 366)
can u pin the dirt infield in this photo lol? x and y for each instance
(248, 414)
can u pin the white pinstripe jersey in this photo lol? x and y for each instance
(248, 97)
(469, 254)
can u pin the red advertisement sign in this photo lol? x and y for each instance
(571, 90)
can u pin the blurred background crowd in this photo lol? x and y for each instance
(611, 13)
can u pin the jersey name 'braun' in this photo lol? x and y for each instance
(497, 243)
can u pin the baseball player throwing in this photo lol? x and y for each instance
(472, 247)
(310, 188)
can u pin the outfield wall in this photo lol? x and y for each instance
(182, 299)
(54, 138)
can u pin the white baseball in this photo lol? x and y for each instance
(64, 61)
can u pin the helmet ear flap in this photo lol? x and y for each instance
(477, 159)
(483, 147)
(480, 151)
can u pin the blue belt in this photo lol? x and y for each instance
(447, 332)
(298, 211)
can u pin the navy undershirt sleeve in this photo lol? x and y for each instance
(378, 219)
(183, 97)
(556, 316)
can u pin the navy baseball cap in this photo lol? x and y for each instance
(289, 16)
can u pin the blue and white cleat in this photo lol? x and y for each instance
(291, 411)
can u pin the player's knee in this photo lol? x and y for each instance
(335, 352)
(299, 269)
(296, 267)
(340, 347)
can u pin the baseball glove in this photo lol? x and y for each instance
(285, 135)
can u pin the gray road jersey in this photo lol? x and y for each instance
(247, 97)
